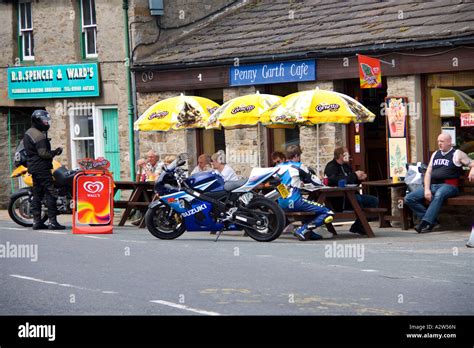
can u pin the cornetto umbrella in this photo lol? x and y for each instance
(316, 107)
(241, 111)
(181, 112)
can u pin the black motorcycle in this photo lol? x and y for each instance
(19, 207)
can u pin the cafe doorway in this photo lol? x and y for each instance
(278, 139)
(209, 141)
(367, 142)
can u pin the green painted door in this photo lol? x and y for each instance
(111, 140)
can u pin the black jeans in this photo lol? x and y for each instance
(43, 187)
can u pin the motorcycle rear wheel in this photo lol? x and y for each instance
(164, 223)
(19, 209)
(274, 218)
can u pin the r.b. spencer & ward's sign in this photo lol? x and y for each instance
(53, 81)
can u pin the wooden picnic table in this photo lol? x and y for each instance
(349, 192)
(141, 197)
(383, 189)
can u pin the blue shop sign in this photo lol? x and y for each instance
(53, 81)
(277, 72)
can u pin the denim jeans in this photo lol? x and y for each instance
(439, 192)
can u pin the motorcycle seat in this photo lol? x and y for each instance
(232, 185)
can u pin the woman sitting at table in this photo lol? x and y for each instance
(339, 169)
(278, 157)
(219, 163)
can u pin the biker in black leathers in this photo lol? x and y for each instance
(40, 162)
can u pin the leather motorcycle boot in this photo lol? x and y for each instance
(39, 225)
(54, 224)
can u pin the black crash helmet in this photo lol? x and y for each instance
(41, 120)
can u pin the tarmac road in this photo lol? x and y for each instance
(131, 272)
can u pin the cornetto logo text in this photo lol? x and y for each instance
(160, 114)
(242, 108)
(330, 107)
(93, 188)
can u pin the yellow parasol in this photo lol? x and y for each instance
(242, 111)
(179, 112)
(315, 107)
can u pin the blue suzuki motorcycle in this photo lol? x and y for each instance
(203, 202)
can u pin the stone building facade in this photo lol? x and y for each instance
(57, 33)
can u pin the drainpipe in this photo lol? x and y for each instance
(129, 93)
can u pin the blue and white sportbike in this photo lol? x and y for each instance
(203, 202)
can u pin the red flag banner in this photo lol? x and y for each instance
(369, 72)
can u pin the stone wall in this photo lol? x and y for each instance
(242, 145)
(57, 41)
(318, 146)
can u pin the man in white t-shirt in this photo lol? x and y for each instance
(149, 168)
(218, 162)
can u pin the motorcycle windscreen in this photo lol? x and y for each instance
(93, 200)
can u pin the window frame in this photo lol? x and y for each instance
(25, 32)
(85, 28)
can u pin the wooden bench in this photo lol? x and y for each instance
(465, 198)
(466, 194)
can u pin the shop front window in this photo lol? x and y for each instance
(451, 109)
(82, 134)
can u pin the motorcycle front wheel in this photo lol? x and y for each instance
(164, 223)
(273, 217)
(19, 209)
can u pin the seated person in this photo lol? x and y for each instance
(204, 164)
(149, 168)
(440, 183)
(293, 174)
(278, 157)
(339, 169)
(218, 162)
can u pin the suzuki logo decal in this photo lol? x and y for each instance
(93, 187)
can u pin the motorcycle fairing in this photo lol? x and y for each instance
(257, 176)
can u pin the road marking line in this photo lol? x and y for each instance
(368, 270)
(186, 308)
(95, 237)
(132, 241)
(51, 232)
(51, 282)
(15, 228)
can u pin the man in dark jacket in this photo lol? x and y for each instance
(339, 169)
(40, 162)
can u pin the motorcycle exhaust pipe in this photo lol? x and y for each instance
(273, 195)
